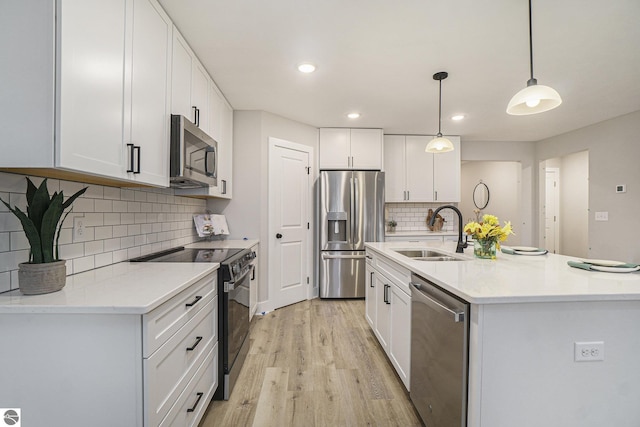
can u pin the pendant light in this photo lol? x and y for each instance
(439, 144)
(534, 98)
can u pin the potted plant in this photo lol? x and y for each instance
(392, 225)
(487, 235)
(44, 272)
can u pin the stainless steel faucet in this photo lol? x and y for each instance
(461, 244)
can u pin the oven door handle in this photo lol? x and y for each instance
(230, 286)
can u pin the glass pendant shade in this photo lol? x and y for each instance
(533, 99)
(439, 144)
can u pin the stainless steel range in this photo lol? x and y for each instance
(234, 279)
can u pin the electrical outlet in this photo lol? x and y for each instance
(602, 216)
(588, 351)
(78, 229)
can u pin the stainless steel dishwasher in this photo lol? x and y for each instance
(439, 354)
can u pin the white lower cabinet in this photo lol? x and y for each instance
(101, 370)
(388, 311)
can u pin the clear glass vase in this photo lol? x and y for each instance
(485, 249)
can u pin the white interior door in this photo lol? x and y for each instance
(551, 214)
(289, 222)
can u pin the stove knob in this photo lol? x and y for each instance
(235, 269)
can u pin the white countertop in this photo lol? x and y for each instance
(514, 278)
(123, 288)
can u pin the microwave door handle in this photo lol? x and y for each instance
(207, 172)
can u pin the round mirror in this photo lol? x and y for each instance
(481, 195)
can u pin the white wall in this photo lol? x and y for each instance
(247, 212)
(504, 182)
(574, 204)
(614, 152)
(524, 154)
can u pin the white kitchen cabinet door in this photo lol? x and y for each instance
(150, 89)
(335, 151)
(400, 333)
(370, 296)
(419, 167)
(199, 95)
(91, 60)
(446, 174)
(383, 310)
(366, 149)
(394, 169)
(216, 106)
(181, 76)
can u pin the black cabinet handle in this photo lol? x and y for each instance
(193, 347)
(195, 115)
(130, 148)
(371, 280)
(224, 186)
(195, 405)
(386, 294)
(137, 148)
(253, 274)
(278, 236)
(194, 302)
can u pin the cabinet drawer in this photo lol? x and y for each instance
(190, 406)
(169, 369)
(164, 321)
(400, 275)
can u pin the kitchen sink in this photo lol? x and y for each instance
(426, 255)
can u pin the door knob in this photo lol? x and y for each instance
(278, 236)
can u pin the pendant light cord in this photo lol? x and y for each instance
(440, 108)
(530, 43)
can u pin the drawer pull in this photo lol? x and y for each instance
(194, 302)
(193, 347)
(195, 405)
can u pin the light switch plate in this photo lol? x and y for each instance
(602, 216)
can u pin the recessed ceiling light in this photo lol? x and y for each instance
(458, 117)
(353, 115)
(306, 68)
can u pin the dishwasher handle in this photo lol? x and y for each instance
(458, 316)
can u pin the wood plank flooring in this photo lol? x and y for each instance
(315, 363)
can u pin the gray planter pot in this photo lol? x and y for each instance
(35, 279)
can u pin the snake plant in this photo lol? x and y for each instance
(43, 221)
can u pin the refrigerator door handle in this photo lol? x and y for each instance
(352, 219)
(326, 256)
(356, 200)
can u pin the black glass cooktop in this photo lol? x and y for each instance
(189, 255)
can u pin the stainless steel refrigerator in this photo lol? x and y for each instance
(351, 212)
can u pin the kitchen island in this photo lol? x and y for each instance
(526, 315)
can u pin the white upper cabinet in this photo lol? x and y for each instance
(101, 90)
(196, 96)
(359, 149)
(150, 89)
(413, 175)
(189, 84)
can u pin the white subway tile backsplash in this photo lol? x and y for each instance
(103, 259)
(118, 223)
(5, 281)
(83, 264)
(111, 193)
(111, 218)
(413, 216)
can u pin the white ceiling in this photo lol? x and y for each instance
(377, 57)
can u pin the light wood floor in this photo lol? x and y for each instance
(315, 363)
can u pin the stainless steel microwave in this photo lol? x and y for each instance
(193, 155)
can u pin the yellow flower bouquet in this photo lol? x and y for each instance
(487, 235)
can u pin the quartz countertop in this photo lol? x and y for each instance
(123, 288)
(514, 278)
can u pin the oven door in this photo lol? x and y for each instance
(237, 318)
